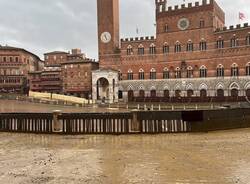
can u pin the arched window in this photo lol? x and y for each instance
(234, 42)
(203, 71)
(129, 50)
(190, 93)
(142, 93)
(177, 73)
(248, 39)
(140, 50)
(248, 69)
(141, 74)
(203, 45)
(166, 93)
(220, 71)
(130, 75)
(166, 28)
(152, 49)
(190, 72)
(165, 73)
(234, 70)
(202, 23)
(220, 43)
(153, 93)
(177, 47)
(165, 48)
(203, 93)
(152, 73)
(190, 46)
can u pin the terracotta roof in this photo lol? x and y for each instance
(18, 49)
(56, 52)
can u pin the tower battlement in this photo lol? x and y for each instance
(233, 28)
(161, 6)
(147, 38)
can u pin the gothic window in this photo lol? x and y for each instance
(165, 73)
(220, 43)
(190, 72)
(11, 59)
(129, 50)
(141, 74)
(177, 47)
(165, 48)
(4, 59)
(220, 71)
(130, 75)
(248, 40)
(152, 49)
(202, 23)
(203, 71)
(203, 45)
(234, 70)
(140, 50)
(190, 46)
(248, 69)
(152, 74)
(16, 59)
(177, 73)
(166, 28)
(234, 42)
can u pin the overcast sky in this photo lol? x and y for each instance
(47, 25)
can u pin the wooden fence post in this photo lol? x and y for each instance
(57, 125)
(135, 127)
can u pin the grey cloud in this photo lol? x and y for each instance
(47, 25)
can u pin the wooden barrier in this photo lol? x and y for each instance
(145, 122)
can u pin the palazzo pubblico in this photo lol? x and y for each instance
(192, 57)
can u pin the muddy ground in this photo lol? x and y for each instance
(218, 158)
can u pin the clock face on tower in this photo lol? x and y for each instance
(105, 37)
(183, 24)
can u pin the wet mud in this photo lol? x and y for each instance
(217, 158)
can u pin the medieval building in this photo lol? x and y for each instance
(192, 57)
(15, 64)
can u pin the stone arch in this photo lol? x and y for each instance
(190, 87)
(140, 46)
(203, 86)
(141, 87)
(152, 88)
(234, 85)
(130, 87)
(247, 85)
(219, 86)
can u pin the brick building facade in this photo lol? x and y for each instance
(77, 77)
(64, 73)
(192, 56)
(15, 64)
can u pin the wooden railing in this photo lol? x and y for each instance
(141, 122)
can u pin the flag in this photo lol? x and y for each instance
(241, 16)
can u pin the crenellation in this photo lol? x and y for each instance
(232, 28)
(197, 4)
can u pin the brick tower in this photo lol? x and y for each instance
(108, 31)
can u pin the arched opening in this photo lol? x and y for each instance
(141, 93)
(178, 93)
(102, 89)
(190, 93)
(234, 93)
(203, 93)
(153, 93)
(166, 93)
(130, 95)
(220, 93)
